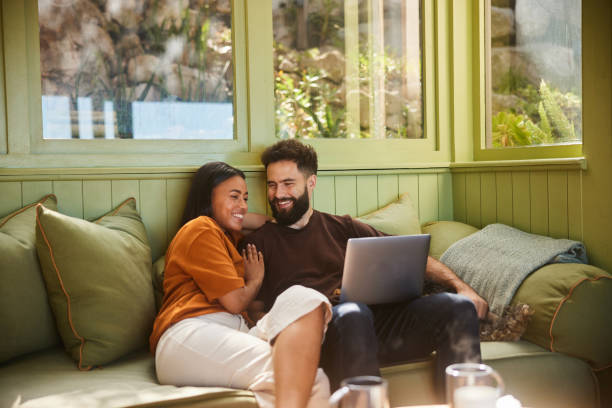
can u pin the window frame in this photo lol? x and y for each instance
(26, 32)
(482, 105)
(254, 104)
(434, 147)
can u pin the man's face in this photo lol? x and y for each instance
(289, 191)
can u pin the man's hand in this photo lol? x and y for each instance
(482, 307)
(440, 273)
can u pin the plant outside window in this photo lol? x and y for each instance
(534, 78)
(348, 69)
(136, 69)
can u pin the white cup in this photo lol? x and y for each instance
(470, 385)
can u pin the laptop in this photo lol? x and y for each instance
(384, 269)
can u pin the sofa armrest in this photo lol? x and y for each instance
(572, 304)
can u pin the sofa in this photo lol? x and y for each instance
(78, 299)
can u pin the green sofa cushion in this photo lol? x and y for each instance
(48, 379)
(158, 280)
(98, 277)
(572, 304)
(26, 321)
(444, 234)
(396, 218)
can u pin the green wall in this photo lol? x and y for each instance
(453, 99)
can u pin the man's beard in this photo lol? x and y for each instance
(297, 210)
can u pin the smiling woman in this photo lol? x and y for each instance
(229, 203)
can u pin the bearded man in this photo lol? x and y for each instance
(307, 247)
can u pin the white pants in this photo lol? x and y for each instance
(219, 350)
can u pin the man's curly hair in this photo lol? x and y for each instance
(290, 149)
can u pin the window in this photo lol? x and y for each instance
(117, 69)
(533, 56)
(348, 69)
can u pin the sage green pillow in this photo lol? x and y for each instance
(444, 234)
(158, 280)
(26, 321)
(98, 277)
(397, 218)
(573, 305)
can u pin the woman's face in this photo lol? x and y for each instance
(229, 203)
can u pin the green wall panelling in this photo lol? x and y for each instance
(459, 197)
(543, 201)
(346, 195)
(32, 191)
(153, 211)
(409, 183)
(367, 194)
(97, 198)
(472, 199)
(69, 197)
(3, 138)
(538, 184)
(521, 203)
(10, 197)
(258, 201)
(176, 196)
(324, 199)
(574, 205)
(488, 199)
(428, 197)
(557, 204)
(445, 196)
(124, 189)
(387, 189)
(503, 186)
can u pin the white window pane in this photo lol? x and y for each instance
(103, 56)
(204, 120)
(535, 82)
(348, 68)
(56, 117)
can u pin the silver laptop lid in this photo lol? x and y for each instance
(384, 269)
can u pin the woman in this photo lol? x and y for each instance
(200, 336)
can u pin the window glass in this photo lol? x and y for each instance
(534, 78)
(348, 69)
(136, 69)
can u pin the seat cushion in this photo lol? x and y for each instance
(535, 376)
(532, 374)
(48, 379)
(98, 277)
(26, 321)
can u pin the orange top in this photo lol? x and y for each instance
(202, 264)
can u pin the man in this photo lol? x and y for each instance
(307, 247)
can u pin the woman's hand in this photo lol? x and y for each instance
(253, 265)
(237, 300)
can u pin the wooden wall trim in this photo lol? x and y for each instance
(520, 165)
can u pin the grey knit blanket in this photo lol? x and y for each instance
(495, 260)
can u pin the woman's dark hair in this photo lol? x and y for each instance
(303, 155)
(209, 176)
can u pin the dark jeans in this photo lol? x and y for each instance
(361, 338)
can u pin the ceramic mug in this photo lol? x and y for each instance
(471, 385)
(361, 392)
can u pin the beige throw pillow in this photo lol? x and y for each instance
(397, 218)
